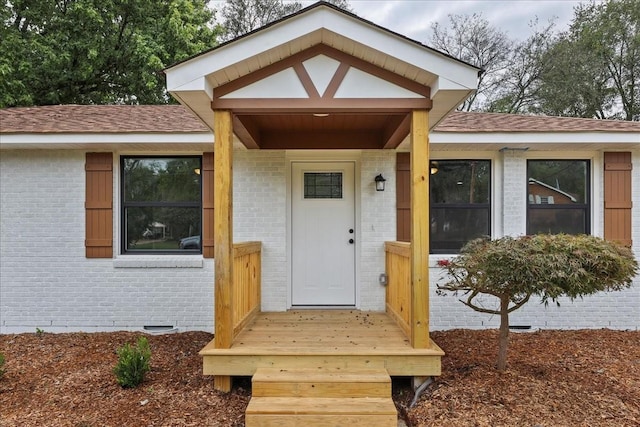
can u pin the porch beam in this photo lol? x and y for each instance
(309, 105)
(223, 228)
(246, 132)
(396, 131)
(419, 228)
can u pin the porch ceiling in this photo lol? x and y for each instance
(367, 57)
(335, 131)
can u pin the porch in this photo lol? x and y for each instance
(320, 339)
(316, 339)
(315, 82)
(320, 367)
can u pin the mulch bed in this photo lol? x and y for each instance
(554, 378)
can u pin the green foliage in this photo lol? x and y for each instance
(595, 65)
(2, 360)
(97, 51)
(549, 266)
(39, 332)
(133, 363)
(546, 265)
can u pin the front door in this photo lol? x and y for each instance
(323, 234)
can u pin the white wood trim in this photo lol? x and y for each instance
(609, 138)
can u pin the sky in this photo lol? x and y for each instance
(413, 18)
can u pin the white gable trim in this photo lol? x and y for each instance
(337, 25)
(322, 25)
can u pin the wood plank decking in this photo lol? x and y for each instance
(345, 339)
(321, 367)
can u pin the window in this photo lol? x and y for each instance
(558, 196)
(460, 203)
(323, 185)
(161, 204)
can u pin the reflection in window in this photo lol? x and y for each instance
(161, 204)
(323, 185)
(460, 203)
(558, 196)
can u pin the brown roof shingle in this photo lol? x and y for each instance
(100, 119)
(500, 122)
(177, 119)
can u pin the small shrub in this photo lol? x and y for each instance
(1, 365)
(133, 363)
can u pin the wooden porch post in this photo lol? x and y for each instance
(223, 236)
(420, 229)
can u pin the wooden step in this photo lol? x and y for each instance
(325, 412)
(274, 382)
(326, 396)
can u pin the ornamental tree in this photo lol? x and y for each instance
(548, 266)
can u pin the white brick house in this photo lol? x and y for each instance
(50, 278)
(47, 282)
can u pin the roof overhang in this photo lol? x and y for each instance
(532, 141)
(261, 75)
(130, 141)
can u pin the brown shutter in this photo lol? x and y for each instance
(207, 205)
(617, 197)
(403, 197)
(99, 205)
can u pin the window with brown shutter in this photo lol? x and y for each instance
(207, 205)
(99, 205)
(161, 204)
(617, 197)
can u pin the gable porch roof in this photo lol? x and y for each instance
(422, 77)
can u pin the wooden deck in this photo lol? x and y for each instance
(333, 339)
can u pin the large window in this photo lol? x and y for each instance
(558, 196)
(161, 204)
(460, 203)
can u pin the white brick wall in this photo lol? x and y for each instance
(46, 282)
(617, 310)
(259, 213)
(513, 194)
(378, 224)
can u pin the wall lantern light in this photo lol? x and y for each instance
(380, 182)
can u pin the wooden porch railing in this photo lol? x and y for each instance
(247, 258)
(398, 298)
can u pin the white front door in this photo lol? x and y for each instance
(323, 234)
